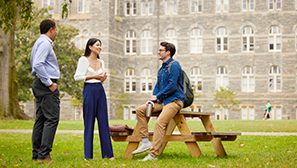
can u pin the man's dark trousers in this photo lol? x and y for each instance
(47, 119)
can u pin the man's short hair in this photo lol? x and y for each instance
(45, 25)
(169, 47)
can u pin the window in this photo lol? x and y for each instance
(130, 81)
(146, 42)
(171, 7)
(116, 7)
(248, 39)
(100, 4)
(221, 78)
(222, 6)
(296, 4)
(248, 79)
(248, 5)
(222, 40)
(48, 3)
(196, 79)
(82, 39)
(276, 112)
(221, 114)
(83, 6)
(296, 38)
(147, 8)
(296, 78)
(130, 9)
(275, 79)
(275, 39)
(170, 36)
(247, 113)
(196, 6)
(146, 80)
(274, 4)
(196, 41)
(130, 42)
(127, 114)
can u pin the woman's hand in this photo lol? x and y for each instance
(103, 77)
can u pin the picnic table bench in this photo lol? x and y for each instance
(186, 135)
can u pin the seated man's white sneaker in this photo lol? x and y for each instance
(142, 148)
(148, 157)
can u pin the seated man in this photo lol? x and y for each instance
(168, 97)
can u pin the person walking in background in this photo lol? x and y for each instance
(45, 89)
(268, 110)
(167, 96)
(90, 70)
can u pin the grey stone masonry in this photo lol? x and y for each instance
(107, 20)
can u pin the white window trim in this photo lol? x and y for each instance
(196, 39)
(249, 115)
(84, 9)
(274, 8)
(296, 36)
(248, 6)
(49, 4)
(275, 77)
(130, 78)
(222, 41)
(196, 78)
(222, 6)
(145, 11)
(171, 6)
(147, 78)
(248, 40)
(130, 108)
(196, 6)
(131, 39)
(248, 76)
(221, 112)
(171, 39)
(149, 41)
(221, 77)
(274, 112)
(275, 40)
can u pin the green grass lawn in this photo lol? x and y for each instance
(245, 151)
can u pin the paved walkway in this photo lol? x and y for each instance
(81, 132)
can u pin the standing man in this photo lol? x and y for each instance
(168, 96)
(45, 89)
(267, 111)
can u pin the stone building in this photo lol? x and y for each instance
(248, 46)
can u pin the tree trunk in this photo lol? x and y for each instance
(9, 104)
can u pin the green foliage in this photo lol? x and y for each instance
(225, 98)
(66, 52)
(24, 9)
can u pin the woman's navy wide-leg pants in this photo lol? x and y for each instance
(95, 106)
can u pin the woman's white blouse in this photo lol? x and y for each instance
(83, 70)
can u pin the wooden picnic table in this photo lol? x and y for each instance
(186, 135)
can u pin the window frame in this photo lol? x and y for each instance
(275, 37)
(195, 6)
(146, 76)
(171, 7)
(248, 39)
(132, 43)
(250, 114)
(196, 37)
(148, 42)
(222, 76)
(48, 3)
(222, 38)
(273, 87)
(86, 6)
(223, 8)
(171, 39)
(248, 5)
(273, 5)
(250, 86)
(130, 78)
(196, 78)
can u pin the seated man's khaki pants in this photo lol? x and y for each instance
(168, 112)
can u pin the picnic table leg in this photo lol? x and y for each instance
(170, 128)
(216, 142)
(185, 130)
(131, 145)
